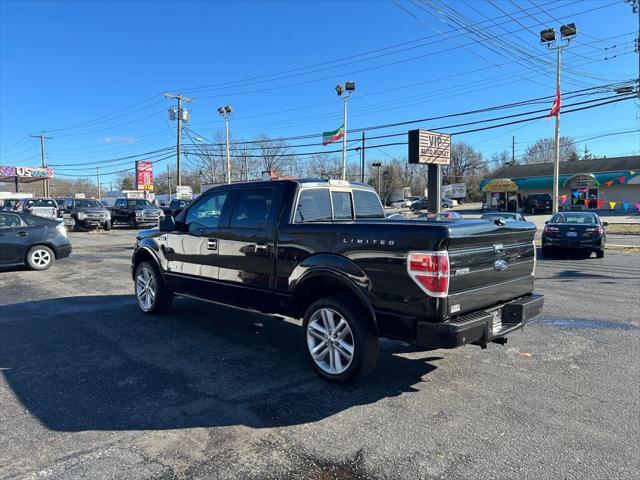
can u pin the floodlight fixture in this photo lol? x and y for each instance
(568, 31)
(228, 109)
(548, 35)
(350, 86)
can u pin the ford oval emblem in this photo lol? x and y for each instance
(500, 265)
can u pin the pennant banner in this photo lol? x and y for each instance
(638, 206)
(612, 205)
(625, 205)
(600, 203)
(563, 198)
(621, 179)
(609, 183)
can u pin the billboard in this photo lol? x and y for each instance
(144, 175)
(26, 172)
(427, 147)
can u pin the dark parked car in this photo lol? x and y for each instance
(324, 251)
(506, 216)
(538, 202)
(135, 212)
(175, 207)
(576, 231)
(423, 204)
(86, 214)
(31, 240)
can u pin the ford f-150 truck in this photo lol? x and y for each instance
(323, 251)
(135, 212)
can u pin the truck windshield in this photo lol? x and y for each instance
(139, 203)
(40, 202)
(87, 203)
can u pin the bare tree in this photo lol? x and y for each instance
(500, 159)
(465, 162)
(543, 151)
(274, 155)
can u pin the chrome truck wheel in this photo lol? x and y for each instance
(152, 295)
(339, 337)
(330, 341)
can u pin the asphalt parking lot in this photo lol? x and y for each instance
(91, 388)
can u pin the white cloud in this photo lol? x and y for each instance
(115, 139)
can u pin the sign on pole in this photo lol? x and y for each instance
(144, 175)
(429, 148)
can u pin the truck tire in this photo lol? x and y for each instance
(76, 225)
(339, 340)
(107, 225)
(40, 257)
(152, 295)
(133, 223)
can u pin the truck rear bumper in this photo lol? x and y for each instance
(480, 327)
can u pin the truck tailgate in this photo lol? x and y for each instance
(491, 266)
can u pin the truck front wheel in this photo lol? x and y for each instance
(340, 342)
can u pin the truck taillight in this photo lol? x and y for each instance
(430, 270)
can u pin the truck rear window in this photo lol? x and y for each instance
(314, 205)
(367, 204)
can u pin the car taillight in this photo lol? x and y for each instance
(430, 270)
(597, 230)
(551, 229)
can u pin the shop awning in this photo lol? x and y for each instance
(546, 182)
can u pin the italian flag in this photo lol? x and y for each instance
(330, 137)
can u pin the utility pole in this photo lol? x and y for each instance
(45, 182)
(98, 179)
(182, 115)
(362, 160)
(168, 181)
(513, 150)
(635, 8)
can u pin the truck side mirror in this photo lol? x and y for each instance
(604, 224)
(167, 224)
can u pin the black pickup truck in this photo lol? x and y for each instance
(323, 251)
(135, 212)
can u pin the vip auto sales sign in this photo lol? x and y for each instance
(144, 175)
(429, 147)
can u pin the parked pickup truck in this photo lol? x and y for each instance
(85, 214)
(42, 207)
(135, 212)
(323, 251)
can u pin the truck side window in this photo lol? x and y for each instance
(252, 208)
(206, 213)
(314, 205)
(367, 204)
(342, 208)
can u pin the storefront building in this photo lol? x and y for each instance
(605, 184)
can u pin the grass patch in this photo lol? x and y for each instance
(623, 248)
(623, 228)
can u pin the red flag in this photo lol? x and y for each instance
(555, 108)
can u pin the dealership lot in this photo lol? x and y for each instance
(90, 387)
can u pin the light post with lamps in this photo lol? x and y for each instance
(225, 112)
(548, 38)
(349, 88)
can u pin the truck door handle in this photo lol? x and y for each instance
(260, 247)
(23, 233)
(212, 244)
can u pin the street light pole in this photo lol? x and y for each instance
(556, 160)
(548, 37)
(344, 140)
(349, 88)
(225, 112)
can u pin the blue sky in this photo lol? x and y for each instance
(91, 74)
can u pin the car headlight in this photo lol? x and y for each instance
(138, 213)
(82, 215)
